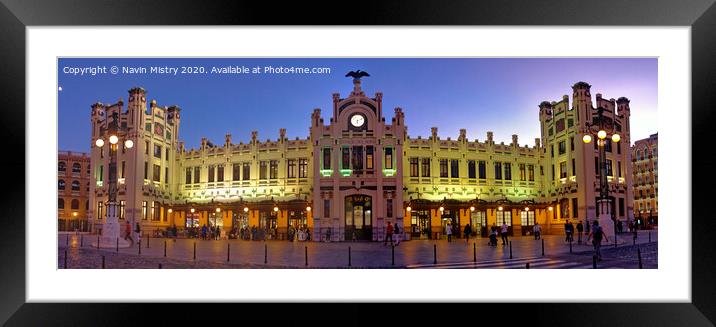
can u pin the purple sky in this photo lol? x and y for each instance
(478, 94)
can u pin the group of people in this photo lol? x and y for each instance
(299, 234)
(391, 231)
(503, 235)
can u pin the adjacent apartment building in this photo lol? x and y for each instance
(645, 170)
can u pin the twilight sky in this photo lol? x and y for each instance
(479, 94)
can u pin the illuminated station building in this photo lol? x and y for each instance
(358, 170)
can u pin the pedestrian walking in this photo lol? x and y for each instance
(138, 233)
(580, 230)
(597, 235)
(388, 234)
(448, 232)
(396, 232)
(493, 236)
(128, 232)
(203, 232)
(586, 226)
(503, 234)
(568, 230)
(537, 231)
(467, 232)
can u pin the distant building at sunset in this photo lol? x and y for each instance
(646, 182)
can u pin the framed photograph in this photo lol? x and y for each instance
(191, 161)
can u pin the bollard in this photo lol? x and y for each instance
(594, 262)
(148, 236)
(117, 244)
(570, 246)
(649, 236)
(82, 240)
(265, 254)
(349, 256)
(638, 253)
(65, 259)
(67, 240)
(160, 266)
(102, 262)
(435, 254)
(194, 250)
(634, 239)
(139, 246)
(543, 247)
(474, 252)
(98, 241)
(306, 248)
(228, 252)
(510, 249)
(165, 248)
(392, 255)
(527, 266)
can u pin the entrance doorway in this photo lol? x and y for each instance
(527, 219)
(358, 217)
(478, 222)
(450, 216)
(420, 224)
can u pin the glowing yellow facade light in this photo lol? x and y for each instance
(113, 139)
(99, 143)
(472, 208)
(170, 210)
(499, 208)
(408, 209)
(587, 138)
(527, 208)
(308, 208)
(218, 209)
(192, 210)
(74, 214)
(275, 209)
(550, 208)
(616, 138)
(246, 209)
(442, 208)
(128, 144)
(602, 134)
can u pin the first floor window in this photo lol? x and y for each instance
(621, 207)
(247, 171)
(263, 170)
(426, 167)
(504, 217)
(498, 170)
(197, 174)
(100, 210)
(121, 209)
(327, 158)
(326, 208)
(157, 173)
(523, 172)
(531, 172)
(220, 173)
(575, 208)
(482, 169)
(389, 207)
(146, 170)
(75, 204)
(345, 158)
(527, 218)
(388, 158)
(608, 166)
(144, 210)
(155, 210)
(478, 219)
(211, 174)
(302, 168)
(471, 169)
(291, 168)
(564, 208)
(60, 204)
(454, 169)
(166, 175)
(443, 168)
(563, 169)
(369, 157)
(236, 172)
(508, 171)
(61, 185)
(273, 171)
(414, 167)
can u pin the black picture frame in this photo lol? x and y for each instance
(700, 15)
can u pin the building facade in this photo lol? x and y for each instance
(359, 170)
(73, 186)
(646, 182)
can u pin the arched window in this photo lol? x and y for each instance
(76, 167)
(75, 185)
(61, 185)
(60, 204)
(61, 166)
(638, 155)
(75, 204)
(87, 205)
(646, 153)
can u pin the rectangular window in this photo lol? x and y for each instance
(188, 176)
(157, 151)
(527, 218)
(559, 126)
(121, 174)
(414, 167)
(621, 207)
(482, 169)
(291, 168)
(211, 173)
(146, 147)
(236, 172)
(608, 145)
(302, 168)
(471, 171)
(155, 210)
(619, 168)
(326, 208)
(571, 144)
(197, 175)
(326, 158)
(443, 168)
(609, 167)
(574, 168)
(388, 158)
(562, 147)
(146, 170)
(454, 169)
(541, 170)
(144, 210)
(508, 171)
(220, 173)
(425, 167)
(122, 205)
(498, 170)
(166, 175)
(369, 157)
(345, 158)
(357, 158)
(389, 207)
(564, 208)
(167, 153)
(263, 170)
(504, 217)
(619, 148)
(551, 150)
(100, 207)
(531, 171)
(563, 169)
(523, 172)
(273, 169)
(156, 173)
(247, 171)
(553, 175)
(575, 208)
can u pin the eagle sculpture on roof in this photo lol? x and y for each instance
(357, 74)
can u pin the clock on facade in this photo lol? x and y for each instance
(357, 120)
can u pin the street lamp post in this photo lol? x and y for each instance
(604, 134)
(110, 230)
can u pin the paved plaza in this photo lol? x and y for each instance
(410, 254)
